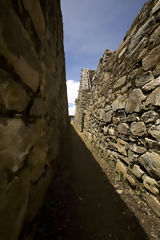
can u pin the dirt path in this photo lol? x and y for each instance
(82, 204)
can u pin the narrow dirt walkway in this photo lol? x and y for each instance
(82, 204)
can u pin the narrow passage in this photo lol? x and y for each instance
(82, 204)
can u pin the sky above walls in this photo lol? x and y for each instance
(91, 26)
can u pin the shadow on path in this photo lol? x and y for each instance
(82, 204)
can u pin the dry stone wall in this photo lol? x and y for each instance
(123, 111)
(33, 107)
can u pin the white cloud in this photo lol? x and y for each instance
(72, 110)
(72, 92)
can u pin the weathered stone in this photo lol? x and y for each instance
(150, 184)
(155, 36)
(120, 82)
(119, 103)
(156, 7)
(152, 85)
(140, 34)
(156, 71)
(151, 143)
(108, 116)
(138, 129)
(12, 95)
(150, 116)
(155, 132)
(151, 162)
(132, 117)
(154, 98)
(123, 128)
(134, 101)
(145, 78)
(137, 171)
(150, 61)
(13, 206)
(35, 12)
(132, 157)
(38, 108)
(153, 203)
(121, 146)
(137, 149)
(131, 180)
(120, 167)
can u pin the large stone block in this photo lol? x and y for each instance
(138, 129)
(153, 203)
(12, 95)
(145, 78)
(135, 99)
(151, 162)
(154, 97)
(154, 131)
(150, 61)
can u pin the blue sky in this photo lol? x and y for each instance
(91, 26)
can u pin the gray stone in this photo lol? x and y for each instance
(132, 157)
(119, 103)
(123, 128)
(154, 98)
(156, 7)
(12, 95)
(150, 184)
(120, 82)
(151, 162)
(153, 203)
(137, 171)
(150, 116)
(155, 36)
(155, 132)
(134, 101)
(137, 149)
(131, 180)
(152, 85)
(140, 34)
(150, 61)
(151, 143)
(145, 78)
(138, 129)
(121, 146)
(108, 116)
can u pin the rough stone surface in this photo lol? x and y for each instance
(126, 87)
(33, 109)
(134, 101)
(150, 184)
(153, 203)
(151, 162)
(138, 129)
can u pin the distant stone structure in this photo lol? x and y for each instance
(83, 97)
(119, 107)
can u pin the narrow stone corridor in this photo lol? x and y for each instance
(82, 204)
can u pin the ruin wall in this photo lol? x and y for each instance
(123, 111)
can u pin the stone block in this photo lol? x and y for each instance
(145, 78)
(135, 99)
(12, 95)
(151, 85)
(120, 82)
(156, 7)
(119, 103)
(121, 147)
(38, 108)
(154, 203)
(151, 162)
(137, 171)
(155, 36)
(154, 131)
(137, 149)
(35, 12)
(154, 98)
(150, 61)
(150, 116)
(150, 184)
(123, 128)
(138, 129)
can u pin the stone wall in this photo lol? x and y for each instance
(123, 110)
(33, 107)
